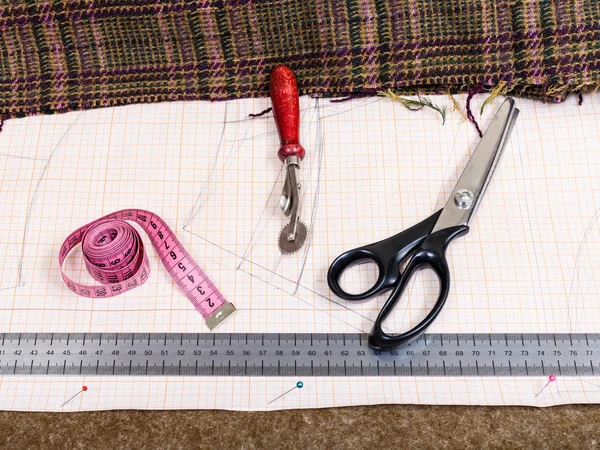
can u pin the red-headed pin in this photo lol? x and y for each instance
(83, 389)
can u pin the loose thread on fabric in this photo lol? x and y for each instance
(341, 99)
(266, 111)
(455, 105)
(475, 90)
(348, 98)
(414, 105)
(500, 89)
(579, 98)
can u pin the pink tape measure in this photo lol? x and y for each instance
(114, 255)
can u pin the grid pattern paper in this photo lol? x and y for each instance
(372, 169)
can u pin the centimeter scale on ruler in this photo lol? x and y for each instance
(250, 354)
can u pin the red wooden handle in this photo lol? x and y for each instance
(286, 109)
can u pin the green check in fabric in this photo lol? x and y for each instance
(67, 55)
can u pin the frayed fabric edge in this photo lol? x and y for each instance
(545, 93)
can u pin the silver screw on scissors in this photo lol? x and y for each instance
(286, 109)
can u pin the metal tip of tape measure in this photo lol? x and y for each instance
(288, 247)
(220, 314)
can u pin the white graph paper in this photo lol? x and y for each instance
(372, 169)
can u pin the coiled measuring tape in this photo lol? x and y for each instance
(114, 255)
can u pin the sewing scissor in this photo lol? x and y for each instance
(425, 244)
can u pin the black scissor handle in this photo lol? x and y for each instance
(432, 254)
(388, 254)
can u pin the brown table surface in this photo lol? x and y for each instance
(378, 427)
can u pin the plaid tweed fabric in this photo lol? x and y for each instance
(66, 55)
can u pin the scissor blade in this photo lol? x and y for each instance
(473, 182)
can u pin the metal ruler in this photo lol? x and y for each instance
(261, 355)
